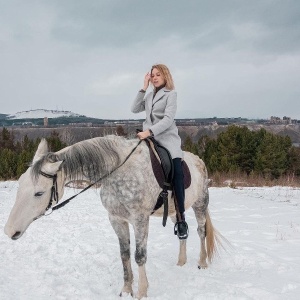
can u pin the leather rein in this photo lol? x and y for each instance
(54, 190)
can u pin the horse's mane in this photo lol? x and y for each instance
(92, 158)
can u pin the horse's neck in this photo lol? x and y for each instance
(120, 148)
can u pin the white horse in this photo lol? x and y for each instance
(128, 191)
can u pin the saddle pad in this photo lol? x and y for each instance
(159, 174)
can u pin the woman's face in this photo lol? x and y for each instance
(157, 78)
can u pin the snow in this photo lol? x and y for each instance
(41, 113)
(74, 253)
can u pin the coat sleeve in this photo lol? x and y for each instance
(169, 115)
(139, 103)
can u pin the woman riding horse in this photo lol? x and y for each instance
(160, 106)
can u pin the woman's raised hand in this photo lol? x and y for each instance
(146, 81)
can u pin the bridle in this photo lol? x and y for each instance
(54, 192)
(54, 189)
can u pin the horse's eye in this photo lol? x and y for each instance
(38, 194)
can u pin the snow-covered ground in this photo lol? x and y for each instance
(74, 253)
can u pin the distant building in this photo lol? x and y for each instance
(86, 124)
(27, 124)
(287, 120)
(133, 122)
(277, 120)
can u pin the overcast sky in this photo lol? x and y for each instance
(229, 58)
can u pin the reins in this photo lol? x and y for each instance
(54, 192)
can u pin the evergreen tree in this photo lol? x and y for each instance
(240, 150)
(6, 139)
(16, 157)
(188, 144)
(8, 164)
(294, 161)
(272, 159)
(202, 144)
(54, 142)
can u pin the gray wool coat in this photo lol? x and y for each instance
(160, 114)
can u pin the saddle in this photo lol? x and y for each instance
(162, 165)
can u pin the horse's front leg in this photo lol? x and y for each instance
(141, 228)
(182, 248)
(121, 228)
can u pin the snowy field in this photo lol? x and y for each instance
(74, 253)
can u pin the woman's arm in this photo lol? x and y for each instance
(139, 103)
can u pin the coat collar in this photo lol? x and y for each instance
(160, 94)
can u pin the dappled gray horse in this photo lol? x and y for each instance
(128, 191)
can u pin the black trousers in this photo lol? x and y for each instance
(178, 184)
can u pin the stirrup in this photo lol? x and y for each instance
(181, 229)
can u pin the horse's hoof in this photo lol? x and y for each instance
(202, 267)
(140, 296)
(181, 263)
(126, 295)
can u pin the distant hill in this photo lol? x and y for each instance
(36, 118)
(41, 113)
(3, 116)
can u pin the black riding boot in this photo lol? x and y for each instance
(181, 227)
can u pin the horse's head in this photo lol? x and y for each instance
(34, 192)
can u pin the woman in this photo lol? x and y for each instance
(160, 106)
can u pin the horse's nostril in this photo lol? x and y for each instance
(16, 235)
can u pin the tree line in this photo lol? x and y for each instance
(240, 150)
(237, 150)
(15, 157)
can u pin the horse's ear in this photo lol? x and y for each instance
(41, 150)
(52, 167)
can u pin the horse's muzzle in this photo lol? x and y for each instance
(16, 235)
(12, 233)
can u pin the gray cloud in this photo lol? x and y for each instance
(270, 25)
(229, 58)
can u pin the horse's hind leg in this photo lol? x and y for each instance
(182, 248)
(121, 228)
(199, 208)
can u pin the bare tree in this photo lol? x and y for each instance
(120, 131)
(67, 136)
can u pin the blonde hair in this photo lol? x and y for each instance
(165, 72)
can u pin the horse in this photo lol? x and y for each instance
(128, 191)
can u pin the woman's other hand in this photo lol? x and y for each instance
(144, 134)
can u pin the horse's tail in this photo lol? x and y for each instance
(213, 239)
